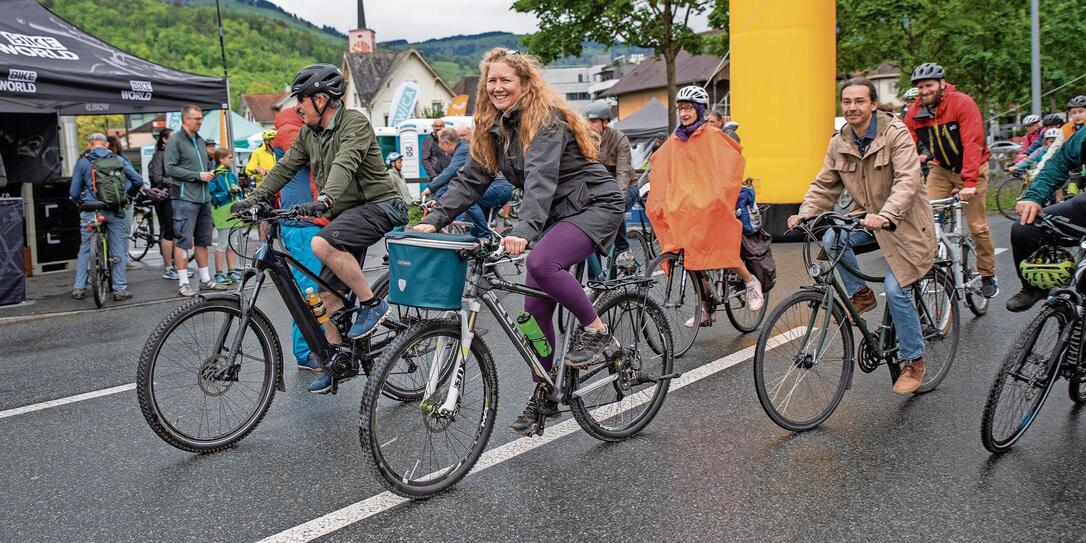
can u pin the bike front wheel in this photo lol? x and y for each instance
(142, 237)
(99, 273)
(803, 360)
(616, 400)
(190, 391)
(679, 293)
(1025, 379)
(1007, 195)
(417, 449)
(976, 301)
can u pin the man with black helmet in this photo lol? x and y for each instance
(615, 156)
(354, 190)
(949, 125)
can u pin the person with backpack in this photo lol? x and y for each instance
(101, 176)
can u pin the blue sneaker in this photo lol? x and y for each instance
(368, 319)
(311, 363)
(323, 384)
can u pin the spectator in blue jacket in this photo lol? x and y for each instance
(497, 194)
(449, 142)
(81, 190)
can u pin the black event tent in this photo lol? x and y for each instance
(49, 65)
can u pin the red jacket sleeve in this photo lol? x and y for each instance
(910, 123)
(971, 131)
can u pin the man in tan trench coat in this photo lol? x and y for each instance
(874, 157)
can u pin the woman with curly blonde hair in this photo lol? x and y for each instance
(572, 206)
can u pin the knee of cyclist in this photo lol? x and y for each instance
(539, 266)
(320, 247)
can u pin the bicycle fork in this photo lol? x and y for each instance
(442, 353)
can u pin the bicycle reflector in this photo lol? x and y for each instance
(1048, 268)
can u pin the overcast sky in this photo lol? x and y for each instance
(420, 20)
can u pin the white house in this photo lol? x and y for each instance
(372, 79)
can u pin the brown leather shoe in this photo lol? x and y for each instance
(912, 374)
(864, 301)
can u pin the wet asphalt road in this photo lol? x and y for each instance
(711, 466)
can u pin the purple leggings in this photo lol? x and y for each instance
(548, 270)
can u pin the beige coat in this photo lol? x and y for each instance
(886, 181)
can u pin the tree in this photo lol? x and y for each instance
(660, 25)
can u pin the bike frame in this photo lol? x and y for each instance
(954, 240)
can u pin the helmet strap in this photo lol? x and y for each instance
(320, 111)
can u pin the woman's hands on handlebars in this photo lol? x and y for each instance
(513, 245)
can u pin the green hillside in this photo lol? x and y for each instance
(264, 46)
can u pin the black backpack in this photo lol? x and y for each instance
(107, 181)
(757, 253)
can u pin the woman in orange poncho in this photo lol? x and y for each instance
(695, 178)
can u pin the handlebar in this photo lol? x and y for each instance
(841, 221)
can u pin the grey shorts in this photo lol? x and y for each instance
(354, 231)
(191, 221)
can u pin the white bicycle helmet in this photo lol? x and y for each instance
(1031, 119)
(912, 93)
(693, 93)
(1052, 133)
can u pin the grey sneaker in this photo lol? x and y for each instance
(187, 291)
(122, 295)
(169, 272)
(590, 347)
(212, 285)
(78, 294)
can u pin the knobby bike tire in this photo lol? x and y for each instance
(374, 445)
(783, 328)
(638, 316)
(99, 272)
(152, 405)
(1036, 371)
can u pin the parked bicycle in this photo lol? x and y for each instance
(1049, 348)
(209, 371)
(100, 273)
(420, 448)
(803, 362)
(955, 249)
(143, 235)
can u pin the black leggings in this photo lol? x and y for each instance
(1025, 239)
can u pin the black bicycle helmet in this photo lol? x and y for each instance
(598, 110)
(1052, 120)
(928, 70)
(318, 78)
(1078, 101)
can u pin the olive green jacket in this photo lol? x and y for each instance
(345, 160)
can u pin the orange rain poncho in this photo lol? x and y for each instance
(694, 186)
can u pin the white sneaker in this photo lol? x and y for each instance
(755, 301)
(186, 290)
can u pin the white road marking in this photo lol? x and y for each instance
(384, 501)
(1000, 250)
(65, 401)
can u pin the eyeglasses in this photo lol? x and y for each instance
(685, 107)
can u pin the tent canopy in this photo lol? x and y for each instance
(246, 133)
(646, 122)
(47, 65)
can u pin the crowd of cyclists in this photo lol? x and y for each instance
(577, 180)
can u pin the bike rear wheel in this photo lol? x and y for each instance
(678, 292)
(936, 303)
(412, 448)
(1010, 189)
(1025, 379)
(189, 394)
(739, 312)
(641, 248)
(976, 301)
(614, 401)
(142, 236)
(99, 272)
(801, 366)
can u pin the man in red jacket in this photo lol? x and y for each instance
(949, 125)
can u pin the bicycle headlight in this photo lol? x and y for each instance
(816, 270)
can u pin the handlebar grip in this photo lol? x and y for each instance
(890, 226)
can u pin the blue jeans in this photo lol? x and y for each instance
(496, 195)
(296, 239)
(622, 242)
(910, 338)
(117, 234)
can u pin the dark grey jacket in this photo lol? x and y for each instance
(434, 160)
(185, 158)
(560, 185)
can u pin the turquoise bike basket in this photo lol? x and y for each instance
(425, 271)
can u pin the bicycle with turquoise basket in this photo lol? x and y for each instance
(419, 448)
(803, 361)
(1050, 346)
(209, 371)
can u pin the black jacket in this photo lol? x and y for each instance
(559, 183)
(434, 159)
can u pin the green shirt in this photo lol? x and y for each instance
(345, 160)
(1054, 174)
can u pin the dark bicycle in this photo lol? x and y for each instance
(804, 359)
(209, 371)
(142, 236)
(100, 272)
(1049, 348)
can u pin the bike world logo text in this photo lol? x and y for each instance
(141, 91)
(21, 81)
(35, 46)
